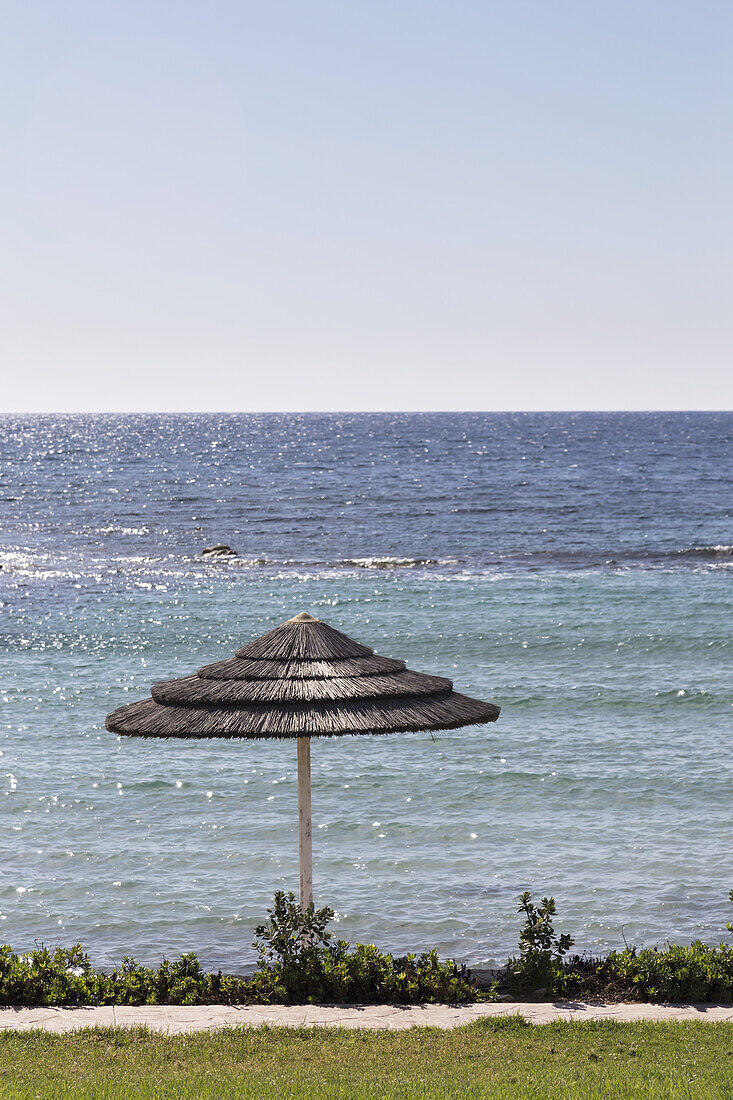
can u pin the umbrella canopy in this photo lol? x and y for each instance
(300, 680)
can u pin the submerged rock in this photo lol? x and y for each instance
(221, 550)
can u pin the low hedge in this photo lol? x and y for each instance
(64, 976)
(672, 974)
(363, 975)
(300, 963)
(696, 973)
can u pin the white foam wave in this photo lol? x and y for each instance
(719, 551)
(115, 529)
(389, 562)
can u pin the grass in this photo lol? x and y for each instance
(499, 1058)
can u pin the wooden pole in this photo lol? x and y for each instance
(304, 823)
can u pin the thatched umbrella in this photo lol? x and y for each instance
(303, 679)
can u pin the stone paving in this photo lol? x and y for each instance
(174, 1019)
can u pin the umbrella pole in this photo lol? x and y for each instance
(304, 823)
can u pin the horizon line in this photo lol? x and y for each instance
(345, 412)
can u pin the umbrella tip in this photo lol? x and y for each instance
(304, 617)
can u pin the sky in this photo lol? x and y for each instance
(365, 205)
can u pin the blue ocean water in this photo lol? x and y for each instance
(574, 568)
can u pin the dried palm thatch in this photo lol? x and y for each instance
(301, 679)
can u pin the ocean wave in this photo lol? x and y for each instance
(115, 529)
(376, 562)
(41, 564)
(389, 562)
(713, 553)
(686, 695)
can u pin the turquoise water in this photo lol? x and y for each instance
(593, 603)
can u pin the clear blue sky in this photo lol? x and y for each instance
(366, 205)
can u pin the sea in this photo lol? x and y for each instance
(575, 568)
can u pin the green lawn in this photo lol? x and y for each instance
(493, 1058)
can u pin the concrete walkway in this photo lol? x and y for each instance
(174, 1019)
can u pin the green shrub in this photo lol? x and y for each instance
(65, 977)
(182, 982)
(695, 973)
(300, 962)
(44, 977)
(538, 969)
(689, 974)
